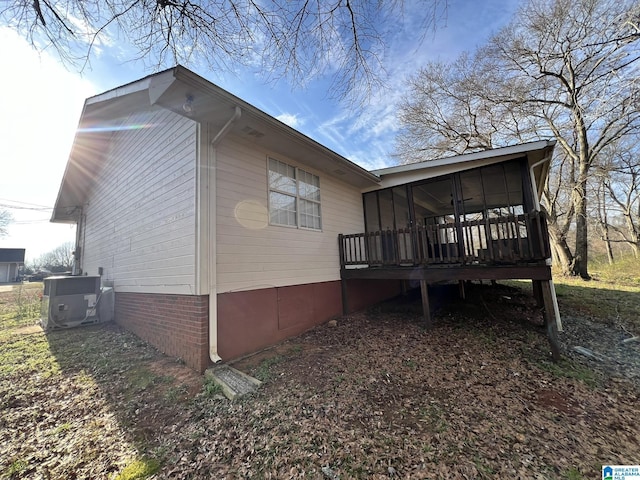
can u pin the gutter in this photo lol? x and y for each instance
(213, 288)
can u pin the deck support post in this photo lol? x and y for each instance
(426, 311)
(537, 293)
(345, 298)
(550, 319)
(461, 290)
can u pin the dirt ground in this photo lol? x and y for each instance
(376, 396)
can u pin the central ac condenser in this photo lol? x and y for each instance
(70, 302)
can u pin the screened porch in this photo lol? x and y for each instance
(481, 216)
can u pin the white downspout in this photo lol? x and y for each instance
(556, 309)
(76, 269)
(213, 290)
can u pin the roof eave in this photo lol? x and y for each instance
(187, 76)
(522, 148)
(152, 90)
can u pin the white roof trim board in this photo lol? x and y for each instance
(511, 151)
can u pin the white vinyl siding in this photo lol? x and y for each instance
(252, 253)
(140, 218)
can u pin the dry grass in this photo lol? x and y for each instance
(374, 397)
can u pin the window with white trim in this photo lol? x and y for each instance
(294, 196)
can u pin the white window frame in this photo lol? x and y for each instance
(298, 198)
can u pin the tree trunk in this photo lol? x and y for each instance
(603, 218)
(561, 250)
(609, 249)
(580, 258)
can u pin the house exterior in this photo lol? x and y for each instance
(217, 225)
(11, 259)
(184, 195)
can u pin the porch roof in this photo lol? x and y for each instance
(538, 155)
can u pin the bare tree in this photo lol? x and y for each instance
(60, 259)
(5, 219)
(296, 38)
(568, 68)
(621, 182)
(560, 210)
(602, 216)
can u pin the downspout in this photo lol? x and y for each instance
(77, 253)
(213, 290)
(556, 309)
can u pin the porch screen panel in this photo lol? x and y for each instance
(490, 209)
(503, 188)
(371, 213)
(385, 200)
(471, 211)
(434, 220)
(373, 243)
(402, 216)
(387, 222)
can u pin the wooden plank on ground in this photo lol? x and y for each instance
(550, 319)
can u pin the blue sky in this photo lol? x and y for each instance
(41, 102)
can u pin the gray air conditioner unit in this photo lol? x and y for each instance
(70, 302)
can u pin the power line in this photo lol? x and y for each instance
(15, 207)
(30, 222)
(23, 205)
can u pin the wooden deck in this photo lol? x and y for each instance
(509, 240)
(501, 248)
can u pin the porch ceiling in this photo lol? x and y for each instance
(538, 155)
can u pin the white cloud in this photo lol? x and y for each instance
(291, 119)
(86, 33)
(367, 136)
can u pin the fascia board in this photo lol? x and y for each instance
(511, 151)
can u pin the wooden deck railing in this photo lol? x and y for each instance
(509, 239)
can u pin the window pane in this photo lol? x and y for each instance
(282, 209)
(309, 186)
(294, 196)
(310, 214)
(282, 177)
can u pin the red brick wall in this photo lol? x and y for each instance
(251, 320)
(363, 293)
(177, 325)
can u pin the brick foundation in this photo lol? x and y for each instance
(363, 293)
(251, 320)
(177, 325)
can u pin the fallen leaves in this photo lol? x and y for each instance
(374, 396)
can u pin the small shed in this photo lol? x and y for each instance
(11, 259)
